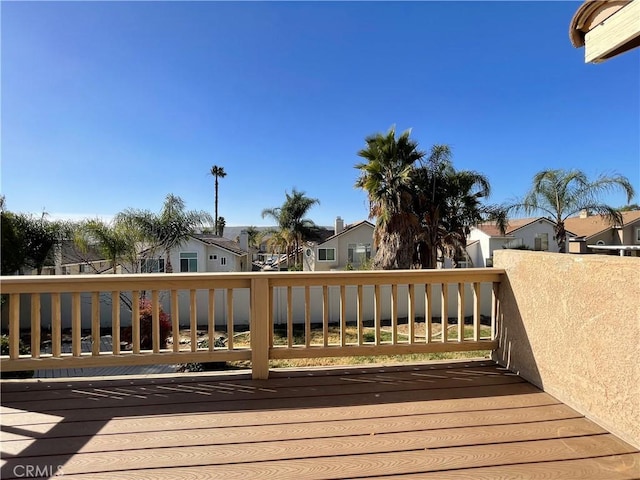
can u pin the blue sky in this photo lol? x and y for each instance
(109, 105)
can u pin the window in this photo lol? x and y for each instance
(213, 257)
(223, 260)
(84, 268)
(326, 254)
(638, 235)
(358, 253)
(541, 242)
(152, 265)
(188, 262)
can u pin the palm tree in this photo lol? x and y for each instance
(291, 221)
(560, 194)
(430, 191)
(168, 229)
(217, 172)
(117, 241)
(387, 176)
(463, 209)
(220, 224)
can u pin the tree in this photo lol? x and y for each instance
(217, 172)
(168, 229)
(387, 177)
(116, 241)
(36, 237)
(290, 218)
(13, 254)
(560, 194)
(220, 224)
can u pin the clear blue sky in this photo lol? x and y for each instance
(109, 105)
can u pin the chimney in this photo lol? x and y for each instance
(244, 240)
(584, 213)
(339, 225)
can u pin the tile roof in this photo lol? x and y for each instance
(229, 245)
(348, 228)
(492, 230)
(71, 254)
(595, 224)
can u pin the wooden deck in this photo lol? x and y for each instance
(462, 420)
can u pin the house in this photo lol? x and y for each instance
(350, 246)
(202, 252)
(524, 233)
(605, 28)
(68, 259)
(596, 234)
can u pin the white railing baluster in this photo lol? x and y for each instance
(95, 324)
(461, 312)
(135, 321)
(115, 322)
(36, 328)
(76, 325)
(230, 328)
(56, 326)
(428, 317)
(193, 320)
(14, 325)
(211, 319)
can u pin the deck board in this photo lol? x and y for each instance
(457, 420)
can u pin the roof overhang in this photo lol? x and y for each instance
(606, 28)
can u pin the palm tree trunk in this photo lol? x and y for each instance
(168, 268)
(215, 225)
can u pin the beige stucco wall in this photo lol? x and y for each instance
(571, 325)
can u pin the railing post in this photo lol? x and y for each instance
(260, 328)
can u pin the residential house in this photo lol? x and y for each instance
(202, 252)
(605, 28)
(350, 246)
(596, 234)
(526, 233)
(68, 259)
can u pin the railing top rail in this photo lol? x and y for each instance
(168, 281)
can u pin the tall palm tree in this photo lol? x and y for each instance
(387, 176)
(168, 229)
(217, 172)
(291, 221)
(560, 194)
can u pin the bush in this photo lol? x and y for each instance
(146, 327)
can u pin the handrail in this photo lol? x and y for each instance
(358, 306)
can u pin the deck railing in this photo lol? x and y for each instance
(263, 316)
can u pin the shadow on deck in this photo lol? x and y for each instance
(446, 420)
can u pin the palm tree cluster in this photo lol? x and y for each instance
(422, 204)
(292, 225)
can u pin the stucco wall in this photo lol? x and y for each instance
(571, 325)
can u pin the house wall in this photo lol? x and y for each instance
(570, 324)
(361, 234)
(529, 232)
(629, 234)
(234, 263)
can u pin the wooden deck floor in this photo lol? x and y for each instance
(467, 420)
